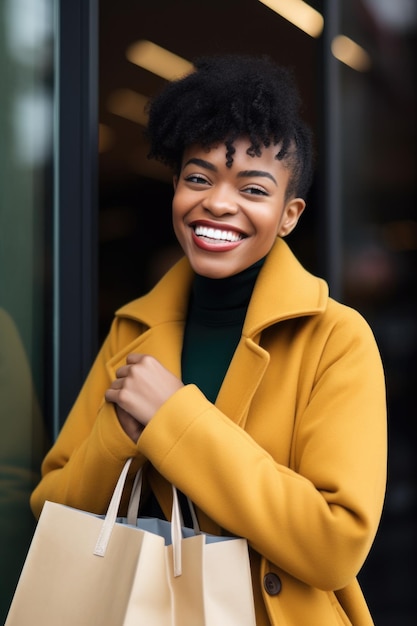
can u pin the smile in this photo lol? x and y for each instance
(217, 234)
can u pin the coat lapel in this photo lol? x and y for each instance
(162, 313)
(163, 342)
(242, 380)
(278, 295)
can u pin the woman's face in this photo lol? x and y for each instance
(225, 218)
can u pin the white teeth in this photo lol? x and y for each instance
(217, 234)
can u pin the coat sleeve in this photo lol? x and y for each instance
(82, 467)
(317, 518)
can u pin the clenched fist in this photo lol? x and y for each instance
(140, 388)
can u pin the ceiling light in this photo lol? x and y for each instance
(350, 53)
(298, 13)
(128, 104)
(158, 60)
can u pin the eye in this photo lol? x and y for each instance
(254, 190)
(197, 179)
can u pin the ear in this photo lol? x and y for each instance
(290, 216)
(175, 182)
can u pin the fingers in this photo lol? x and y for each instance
(141, 386)
(122, 372)
(117, 383)
(131, 359)
(110, 395)
(134, 358)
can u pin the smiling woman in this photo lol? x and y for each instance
(237, 378)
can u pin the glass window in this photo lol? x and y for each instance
(26, 102)
(379, 244)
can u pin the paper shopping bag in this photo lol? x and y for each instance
(86, 570)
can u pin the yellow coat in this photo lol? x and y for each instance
(292, 456)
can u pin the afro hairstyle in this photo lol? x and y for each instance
(228, 97)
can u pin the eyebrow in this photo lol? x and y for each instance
(244, 174)
(261, 173)
(202, 163)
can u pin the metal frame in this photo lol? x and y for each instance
(75, 202)
(331, 205)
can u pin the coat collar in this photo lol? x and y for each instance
(284, 289)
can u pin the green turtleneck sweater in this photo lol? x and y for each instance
(215, 318)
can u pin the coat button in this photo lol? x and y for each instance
(272, 584)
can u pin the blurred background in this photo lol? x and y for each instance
(85, 216)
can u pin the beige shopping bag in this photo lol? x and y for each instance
(86, 570)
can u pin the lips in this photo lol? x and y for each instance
(217, 234)
(210, 238)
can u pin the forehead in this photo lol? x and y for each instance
(219, 154)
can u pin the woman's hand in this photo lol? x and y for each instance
(131, 426)
(140, 388)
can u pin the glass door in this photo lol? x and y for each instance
(48, 147)
(26, 131)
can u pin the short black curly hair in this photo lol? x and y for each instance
(227, 97)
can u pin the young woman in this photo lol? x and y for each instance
(237, 378)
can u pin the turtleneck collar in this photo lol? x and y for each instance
(230, 293)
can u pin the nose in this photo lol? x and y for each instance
(219, 200)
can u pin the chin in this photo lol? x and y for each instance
(215, 272)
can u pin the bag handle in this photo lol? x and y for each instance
(133, 507)
(112, 511)
(176, 518)
(134, 501)
(110, 518)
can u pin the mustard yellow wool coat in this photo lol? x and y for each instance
(292, 456)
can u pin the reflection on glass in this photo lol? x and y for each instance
(379, 137)
(26, 66)
(22, 440)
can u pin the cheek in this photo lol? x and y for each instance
(269, 223)
(176, 213)
(176, 226)
(179, 204)
(178, 222)
(269, 231)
